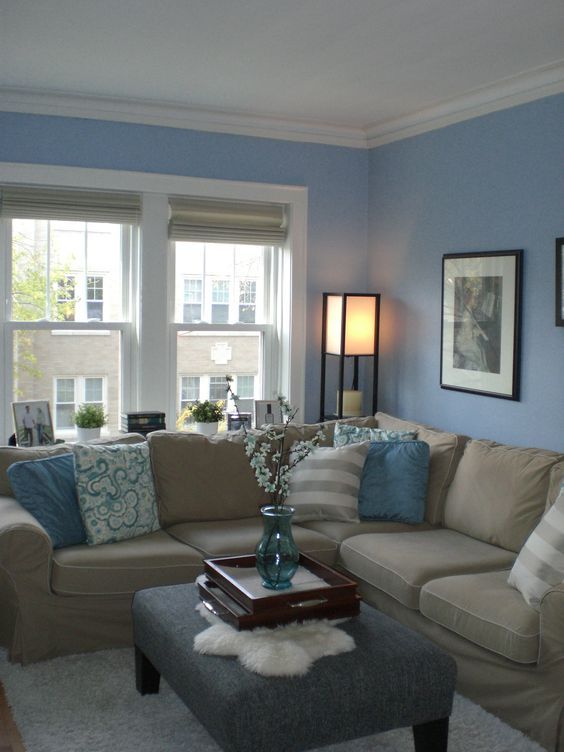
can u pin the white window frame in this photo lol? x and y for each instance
(149, 343)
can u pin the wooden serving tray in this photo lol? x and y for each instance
(231, 588)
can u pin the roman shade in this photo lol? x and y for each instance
(215, 221)
(70, 205)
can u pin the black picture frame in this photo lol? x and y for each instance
(481, 322)
(559, 293)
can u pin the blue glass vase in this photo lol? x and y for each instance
(277, 554)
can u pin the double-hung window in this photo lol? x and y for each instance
(98, 268)
(69, 322)
(227, 260)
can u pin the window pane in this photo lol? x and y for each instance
(217, 388)
(192, 313)
(246, 387)
(65, 390)
(95, 297)
(66, 271)
(192, 290)
(220, 314)
(93, 390)
(68, 368)
(247, 300)
(209, 356)
(225, 280)
(220, 291)
(190, 390)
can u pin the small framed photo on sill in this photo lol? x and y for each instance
(267, 412)
(480, 327)
(559, 281)
(32, 423)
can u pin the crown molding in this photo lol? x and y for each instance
(541, 82)
(510, 92)
(146, 112)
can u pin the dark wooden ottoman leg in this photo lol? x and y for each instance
(147, 678)
(432, 736)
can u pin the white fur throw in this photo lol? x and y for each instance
(287, 650)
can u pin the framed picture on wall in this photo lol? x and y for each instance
(32, 423)
(559, 281)
(480, 328)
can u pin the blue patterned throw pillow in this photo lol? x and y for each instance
(116, 494)
(393, 485)
(349, 434)
(47, 489)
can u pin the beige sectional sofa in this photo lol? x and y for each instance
(446, 577)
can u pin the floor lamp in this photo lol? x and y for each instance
(350, 329)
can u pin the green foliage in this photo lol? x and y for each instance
(90, 416)
(206, 412)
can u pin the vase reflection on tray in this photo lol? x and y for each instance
(277, 555)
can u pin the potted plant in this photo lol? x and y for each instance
(89, 419)
(206, 415)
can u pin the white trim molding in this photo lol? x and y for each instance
(509, 92)
(147, 112)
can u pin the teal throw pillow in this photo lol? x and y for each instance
(116, 494)
(349, 434)
(47, 489)
(394, 481)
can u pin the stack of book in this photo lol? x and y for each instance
(142, 422)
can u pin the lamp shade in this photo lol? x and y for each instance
(351, 322)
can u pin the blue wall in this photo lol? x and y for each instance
(491, 183)
(495, 182)
(336, 178)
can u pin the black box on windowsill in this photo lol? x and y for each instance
(143, 422)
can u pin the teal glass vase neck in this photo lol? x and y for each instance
(277, 555)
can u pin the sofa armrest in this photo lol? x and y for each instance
(25, 548)
(551, 649)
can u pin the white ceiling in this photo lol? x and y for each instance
(342, 71)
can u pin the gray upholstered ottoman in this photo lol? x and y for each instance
(394, 678)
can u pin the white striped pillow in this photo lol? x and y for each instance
(325, 485)
(540, 564)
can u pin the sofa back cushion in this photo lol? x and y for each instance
(203, 478)
(306, 431)
(445, 452)
(9, 455)
(499, 492)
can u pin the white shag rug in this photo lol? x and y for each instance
(287, 650)
(88, 703)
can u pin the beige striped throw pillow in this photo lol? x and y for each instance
(540, 564)
(325, 485)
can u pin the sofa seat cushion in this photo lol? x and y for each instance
(124, 567)
(445, 452)
(241, 537)
(499, 492)
(401, 563)
(484, 609)
(340, 531)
